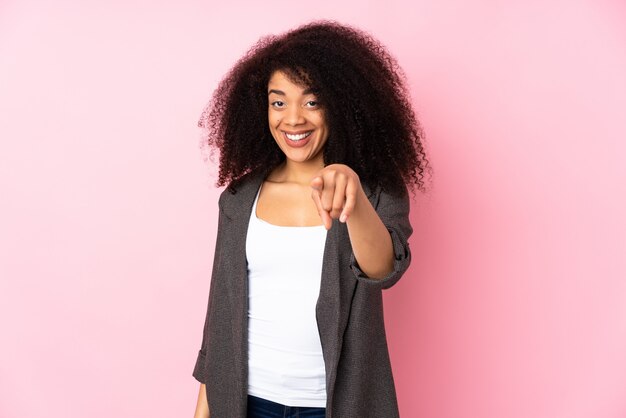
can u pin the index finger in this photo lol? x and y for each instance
(317, 198)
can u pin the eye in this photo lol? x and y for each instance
(277, 101)
(315, 103)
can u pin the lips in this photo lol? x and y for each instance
(298, 143)
(297, 136)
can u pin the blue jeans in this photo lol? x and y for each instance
(264, 408)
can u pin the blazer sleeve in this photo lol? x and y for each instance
(199, 370)
(394, 213)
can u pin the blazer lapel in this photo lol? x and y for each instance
(335, 299)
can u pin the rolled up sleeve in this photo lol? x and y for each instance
(199, 370)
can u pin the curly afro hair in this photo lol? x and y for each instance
(360, 86)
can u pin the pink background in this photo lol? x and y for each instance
(515, 304)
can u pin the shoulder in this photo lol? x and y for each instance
(380, 196)
(234, 199)
(231, 192)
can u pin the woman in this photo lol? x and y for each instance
(318, 143)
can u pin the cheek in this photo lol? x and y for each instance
(321, 122)
(273, 119)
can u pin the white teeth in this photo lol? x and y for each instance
(298, 137)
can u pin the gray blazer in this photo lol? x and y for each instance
(349, 312)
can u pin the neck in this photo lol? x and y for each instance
(298, 172)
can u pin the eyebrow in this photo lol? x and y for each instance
(282, 93)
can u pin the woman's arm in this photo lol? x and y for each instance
(378, 236)
(370, 239)
(202, 407)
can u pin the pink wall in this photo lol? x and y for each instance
(515, 305)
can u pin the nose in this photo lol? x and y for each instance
(294, 116)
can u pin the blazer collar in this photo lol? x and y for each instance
(236, 205)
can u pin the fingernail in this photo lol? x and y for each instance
(343, 217)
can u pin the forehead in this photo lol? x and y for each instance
(280, 83)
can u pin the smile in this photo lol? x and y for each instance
(298, 137)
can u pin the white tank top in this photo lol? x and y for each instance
(285, 362)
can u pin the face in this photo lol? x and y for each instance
(296, 120)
